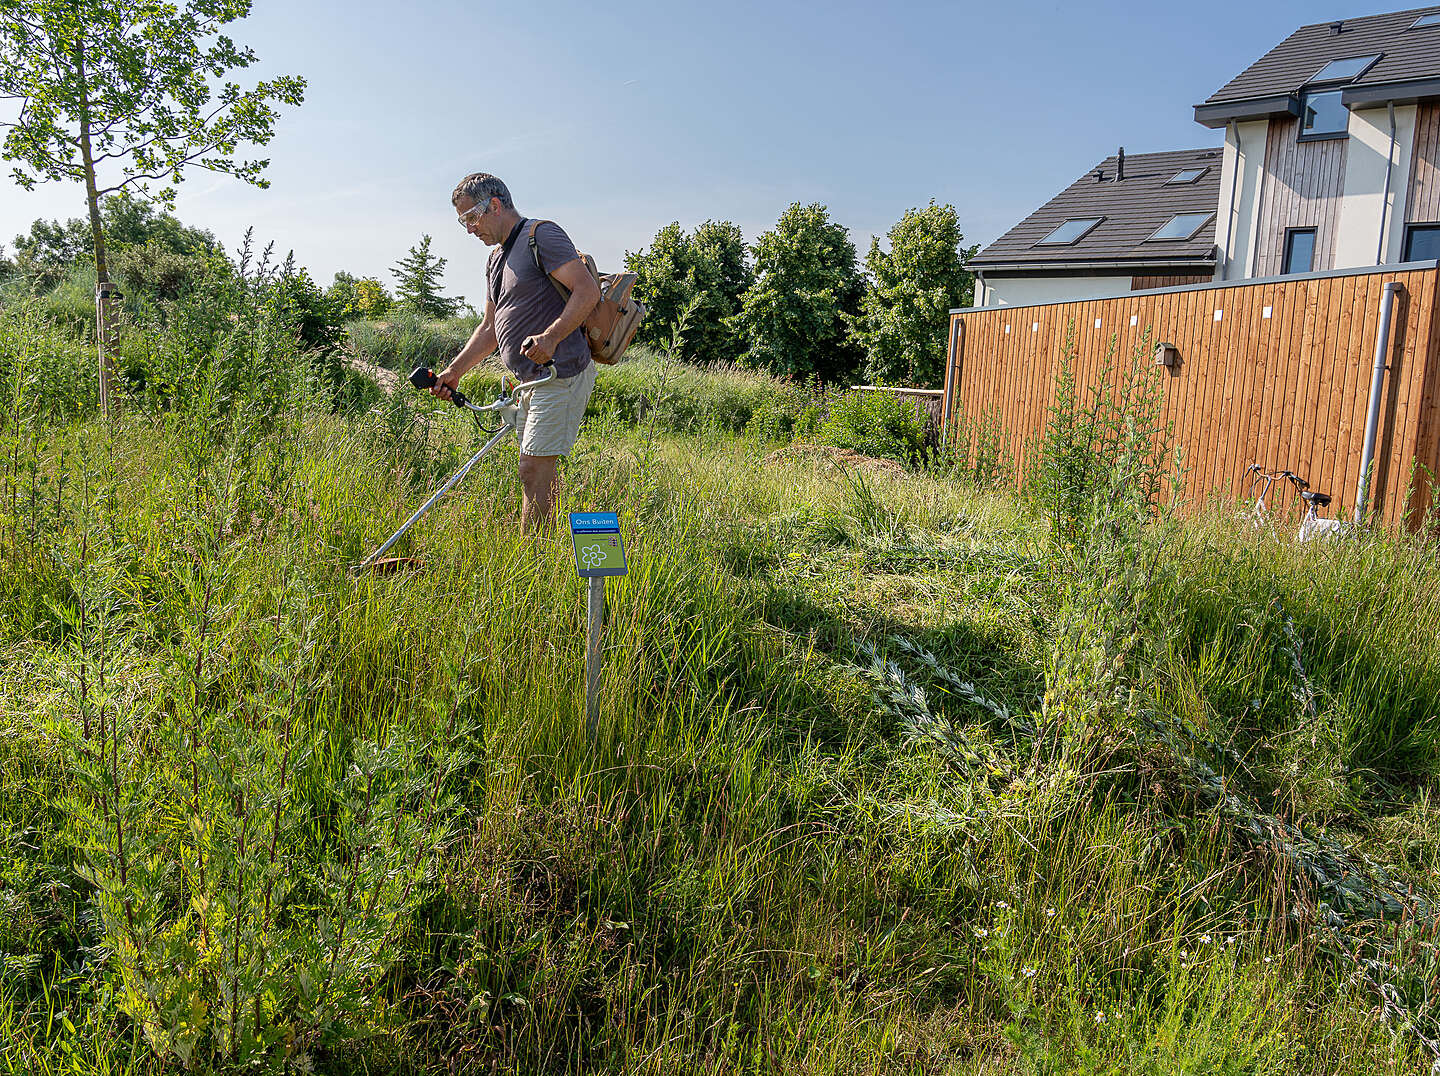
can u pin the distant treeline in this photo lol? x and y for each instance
(797, 303)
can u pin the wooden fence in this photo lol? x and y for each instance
(1274, 371)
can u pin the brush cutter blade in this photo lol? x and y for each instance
(390, 565)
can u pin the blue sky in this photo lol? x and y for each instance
(617, 120)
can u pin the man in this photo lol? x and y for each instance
(532, 328)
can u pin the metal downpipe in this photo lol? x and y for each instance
(1377, 385)
(1385, 199)
(1224, 273)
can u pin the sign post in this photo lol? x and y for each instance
(599, 552)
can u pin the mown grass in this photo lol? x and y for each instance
(752, 866)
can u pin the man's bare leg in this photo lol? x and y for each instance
(540, 479)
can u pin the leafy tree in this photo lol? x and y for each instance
(364, 297)
(806, 278)
(118, 95)
(904, 315)
(662, 285)
(709, 267)
(418, 280)
(719, 275)
(371, 299)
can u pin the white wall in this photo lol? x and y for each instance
(1357, 236)
(1247, 153)
(1025, 291)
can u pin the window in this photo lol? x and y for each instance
(1422, 242)
(1344, 70)
(1182, 226)
(1426, 20)
(1324, 116)
(1072, 231)
(1299, 250)
(1188, 175)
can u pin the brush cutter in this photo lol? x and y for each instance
(506, 409)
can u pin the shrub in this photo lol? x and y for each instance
(875, 424)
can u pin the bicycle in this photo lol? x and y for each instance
(1312, 524)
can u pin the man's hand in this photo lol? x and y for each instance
(538, 349)
(446, 382)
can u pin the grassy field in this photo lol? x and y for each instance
(891, 775)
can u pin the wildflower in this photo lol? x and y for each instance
(1230, 940)
(1002, 905)
(1029, 973)
(1268, 959)
(1184, 953)
(981, 932)
(1204, 939)
(1099, 1017)
(1049, 912)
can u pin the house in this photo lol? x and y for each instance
(1287, 282)
(1331, 161)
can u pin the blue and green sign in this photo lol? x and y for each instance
(598, 548)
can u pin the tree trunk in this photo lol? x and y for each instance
(97, 235)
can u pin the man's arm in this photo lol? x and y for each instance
(584, 294)
(480, 346)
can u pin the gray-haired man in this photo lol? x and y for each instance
(531, 327)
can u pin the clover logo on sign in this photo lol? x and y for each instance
(592, 556)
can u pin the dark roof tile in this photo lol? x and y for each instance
(1406, 55)
(1133, 209)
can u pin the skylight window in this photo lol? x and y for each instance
(1183, 226)
(1344, 70)
(1072, 231)
(1426, 20)
(1188, 175)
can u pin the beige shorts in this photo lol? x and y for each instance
(549, 419)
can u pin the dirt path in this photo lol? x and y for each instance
(388, 380)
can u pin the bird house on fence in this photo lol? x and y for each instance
(1167, 355)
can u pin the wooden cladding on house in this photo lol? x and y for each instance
(1169, 280)
(1275, 372)
(1424, 200)
(1302, 187)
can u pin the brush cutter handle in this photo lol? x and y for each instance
(422, 377)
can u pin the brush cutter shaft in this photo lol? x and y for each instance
(507, 406)
(449, 484)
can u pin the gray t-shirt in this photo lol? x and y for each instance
(528, 303)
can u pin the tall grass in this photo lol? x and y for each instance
(364, 827)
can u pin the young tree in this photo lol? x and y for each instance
(709, 266)
(418, 280)
(805, 279)
(363, 297)
(118, 95)
(662, 285)
(904, 316)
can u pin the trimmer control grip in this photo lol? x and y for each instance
(422, 377)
